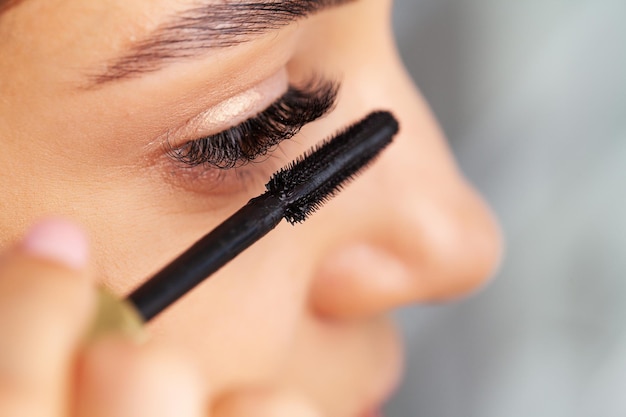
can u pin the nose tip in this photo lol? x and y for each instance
(429, 248)
(458, 246)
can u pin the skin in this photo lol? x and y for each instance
(296, 325)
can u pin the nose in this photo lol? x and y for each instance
(410, 230)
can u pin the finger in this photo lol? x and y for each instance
(45, 301)
(264, 403)
(118, 377)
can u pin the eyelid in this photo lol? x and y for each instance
(231, 111)
(260, 134)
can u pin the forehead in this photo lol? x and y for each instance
(74, 39)
(151, 33)
(80, 30)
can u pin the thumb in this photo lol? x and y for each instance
(46, 299)
(264, 403)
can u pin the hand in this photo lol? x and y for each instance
(46, 302)
(47, 299)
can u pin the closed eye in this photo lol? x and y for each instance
(260, 134)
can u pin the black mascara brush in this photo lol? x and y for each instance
(293, 193)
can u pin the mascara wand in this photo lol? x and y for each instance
(293, 193)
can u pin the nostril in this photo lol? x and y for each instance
(360, 280)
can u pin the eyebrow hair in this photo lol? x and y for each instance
(208, 26)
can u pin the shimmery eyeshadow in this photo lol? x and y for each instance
(236, 109)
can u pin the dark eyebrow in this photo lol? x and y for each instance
(208, 25)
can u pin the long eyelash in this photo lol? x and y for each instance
(260, 134)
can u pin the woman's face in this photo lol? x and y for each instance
(98, 98)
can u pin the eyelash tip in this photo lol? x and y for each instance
(261, 134)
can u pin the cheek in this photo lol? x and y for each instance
(240, 324)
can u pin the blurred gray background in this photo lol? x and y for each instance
(532, 96)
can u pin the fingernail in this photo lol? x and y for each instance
(58, 240)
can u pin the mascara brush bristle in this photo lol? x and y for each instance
(312, 179)
(293, 193)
